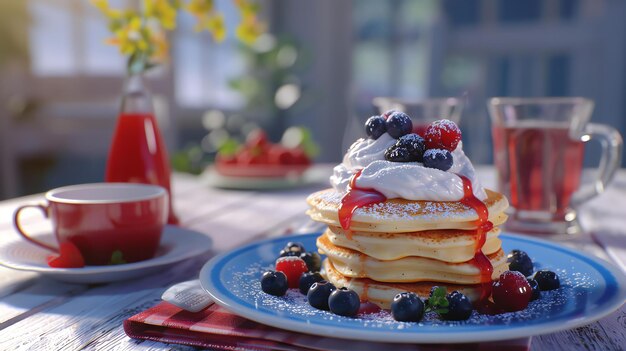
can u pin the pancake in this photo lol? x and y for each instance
(383, 293)
(450, 245)
(354, 264)
(400, 215)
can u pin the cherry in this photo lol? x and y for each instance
(512, 292)
(442, 134)
(293, 267)
(69, 257)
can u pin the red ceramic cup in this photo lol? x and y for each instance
(108, 222)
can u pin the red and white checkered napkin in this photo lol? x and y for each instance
(218, 329)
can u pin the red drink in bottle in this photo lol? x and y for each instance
(138, 153)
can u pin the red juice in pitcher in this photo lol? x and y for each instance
(539, 165)
(138, 154)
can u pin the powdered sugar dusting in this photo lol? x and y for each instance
(245, 284)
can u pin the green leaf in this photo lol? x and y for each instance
(229, 147)
(117, 257)
(438, 302)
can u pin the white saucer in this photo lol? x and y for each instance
(177, 244)
(313, 175)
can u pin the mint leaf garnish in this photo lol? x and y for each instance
(437, 302)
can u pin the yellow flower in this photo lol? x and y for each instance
(132, 37)
(248, 31)
(217, 27)
(161, 46)
(200, 8)
(162, 10)
(141, 35)
(103, 6)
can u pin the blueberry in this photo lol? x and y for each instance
(274, 283)
(375, 126)
(408, 148)
(459, 307)
(547, 280)
(535, 286)
(294, 246)
(407, 307)
(344, 302)
(308, 279)
(398, 154)
(519, 261)
(318, 294)
(399, 124)
(286, 253)
(438, 158)
(292, 249)
(313, 261)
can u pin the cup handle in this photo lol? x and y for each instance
(16, 222)
(612, 144)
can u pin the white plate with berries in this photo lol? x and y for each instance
(583, 289)
(177, 244)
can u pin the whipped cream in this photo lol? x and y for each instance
(407, 180)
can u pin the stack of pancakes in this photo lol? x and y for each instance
(401, 245)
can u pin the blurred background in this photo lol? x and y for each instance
(318, 65)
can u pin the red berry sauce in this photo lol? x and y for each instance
(483, 225)
(356, 198)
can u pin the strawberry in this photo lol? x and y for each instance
(69, 257)
(293, 267)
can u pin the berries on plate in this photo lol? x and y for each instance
(438, 158)
(313, 261)
(308, 279)
(536, 291)
(547, 280)
(344, 302)
(519, 261)
(293, 267)
(408, 148)
(294, 246)
(407, 307)
(459, 307)
(375, 126)
(274, 283)
(292, 249)
(512, 292)
(399, 124)
(319, 293)
(442, 134)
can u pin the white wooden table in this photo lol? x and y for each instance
(37, 313)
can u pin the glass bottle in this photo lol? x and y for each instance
(138, 153)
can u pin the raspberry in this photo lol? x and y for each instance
(293, 267)
(442, 134)
(512, 292)
(69, 257)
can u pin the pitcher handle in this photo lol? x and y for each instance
(16, 222)
(612, 143)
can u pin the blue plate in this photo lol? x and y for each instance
(590, 289)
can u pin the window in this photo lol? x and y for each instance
(67, 39)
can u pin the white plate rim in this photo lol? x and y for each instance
(171, 235)
(393, 337)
